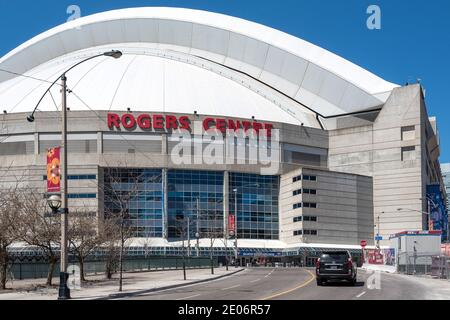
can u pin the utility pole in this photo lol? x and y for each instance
(64, 291)
(183, 232)
(415, 256)
(378, 232)
(225, 241)
(197, 234)
(189, 236)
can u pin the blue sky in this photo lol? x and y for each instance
(414, 40)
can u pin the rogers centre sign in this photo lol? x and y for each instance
(170, 122)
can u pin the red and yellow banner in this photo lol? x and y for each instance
(54, 169)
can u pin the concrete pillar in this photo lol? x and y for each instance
(164, 144)
(99, 142)
(36, 144)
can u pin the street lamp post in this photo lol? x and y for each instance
(54, 202)
(235, 229)
(415, 256)
(197, 233)
(64, 291)
(378, 232)
(189, 236)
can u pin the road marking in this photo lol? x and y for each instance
(238, 285)
(156, 292)
(255, 280)
(190, 297)
(269, 273)
(313, 277)
(361, 294)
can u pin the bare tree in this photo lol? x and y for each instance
(109, 233)
(213, 233)
(182, 228)
(84, 236)
(9, 224)
(117, 212)
(40, 229)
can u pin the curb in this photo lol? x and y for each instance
(181, 285)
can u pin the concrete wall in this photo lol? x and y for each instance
(344, 207)
(392, 151)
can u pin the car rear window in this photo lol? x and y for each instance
(337, 257)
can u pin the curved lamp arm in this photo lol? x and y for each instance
(116, 54)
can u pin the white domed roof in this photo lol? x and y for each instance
(180, 60)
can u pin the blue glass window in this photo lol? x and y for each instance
(195, 200)
(82, 196)
(78, 177)
(140, 192)
(257, 202)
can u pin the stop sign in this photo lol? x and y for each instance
(363, 243)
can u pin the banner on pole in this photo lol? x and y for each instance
(231, 223)
(54, 170)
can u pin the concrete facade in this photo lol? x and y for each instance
(343, 212)
(400, 150)
(374, 171)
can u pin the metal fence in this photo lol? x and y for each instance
(430, 265)
(37, 270)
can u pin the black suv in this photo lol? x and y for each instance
(336, 265)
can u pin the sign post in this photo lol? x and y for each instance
(363, 246)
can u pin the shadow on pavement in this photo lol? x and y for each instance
(344, 284)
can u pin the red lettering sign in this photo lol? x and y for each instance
(54, 170)
(207, 124)
(158, 122)
(128, 121)
(169, 122)
(375, 257)
(185, 123)
(144, 122)
(221, 125)
(113, 121)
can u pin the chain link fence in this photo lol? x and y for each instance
(425, 265)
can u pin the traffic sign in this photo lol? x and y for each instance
(363, 243)
(378, 238)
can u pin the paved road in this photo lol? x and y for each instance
(296, 284)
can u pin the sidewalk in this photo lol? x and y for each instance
(133, 283)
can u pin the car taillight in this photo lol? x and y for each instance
(318, 263)
(350, 263)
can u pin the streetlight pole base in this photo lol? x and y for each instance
(64, 291)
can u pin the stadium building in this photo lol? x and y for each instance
(349, 155)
